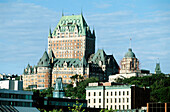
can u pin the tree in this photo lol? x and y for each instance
(76, 107)
(158, 83)
(76, 92)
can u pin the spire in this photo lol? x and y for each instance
(93, 32)
(62, 13)
(81, 12)
(50, 35)
(28, 66)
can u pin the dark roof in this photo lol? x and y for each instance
(44, 61)
(129, 54)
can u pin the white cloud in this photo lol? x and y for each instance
(24, 31)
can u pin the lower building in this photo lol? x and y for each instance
(139, 73)
(16, 98)
(49, 68)
(6, 108)
(122, 97)
(158, 107)
(50, 103)
(11, 84)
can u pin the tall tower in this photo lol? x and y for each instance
(72, 38)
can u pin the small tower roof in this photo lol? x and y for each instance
(129, 54)
(44, 61)
(157, 68)
(28, 66)
(50, 34)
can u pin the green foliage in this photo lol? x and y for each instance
(159, 84)
(76, 107)
(44, 93)
(76, 92)
(17, 78)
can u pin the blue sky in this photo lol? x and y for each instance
(24, 26)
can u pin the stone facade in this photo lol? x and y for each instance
(72, 38)
(49, 68)
(71, 51)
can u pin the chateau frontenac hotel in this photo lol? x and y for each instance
(71, 51)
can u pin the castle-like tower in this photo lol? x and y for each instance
(71, 51)
(72, 38)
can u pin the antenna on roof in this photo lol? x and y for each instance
(158, 60)
(130, 42)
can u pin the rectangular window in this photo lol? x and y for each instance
(107, 93)
(99, 93)
(127, 106)
(111, 100)
(99, 100)
(94, 100)
(123, 100)
(89, 100)
(115, 93)
(107, 100)
(111, 93)
(94, 93)
(89, 93)
(127, 92)
(115, 100)
(119, 93)
(115, 106)
(127, 100)
(123, 93)
(119, 100)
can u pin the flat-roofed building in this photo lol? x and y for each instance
(121, 97)
(16, 98)
(11, 84)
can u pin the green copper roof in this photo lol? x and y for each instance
(72, 22)
(51, 54)
(44, 61)
(129, 54)
(99, 56)
(70, 62)
(28, 66)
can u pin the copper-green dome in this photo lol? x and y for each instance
(129, 54)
